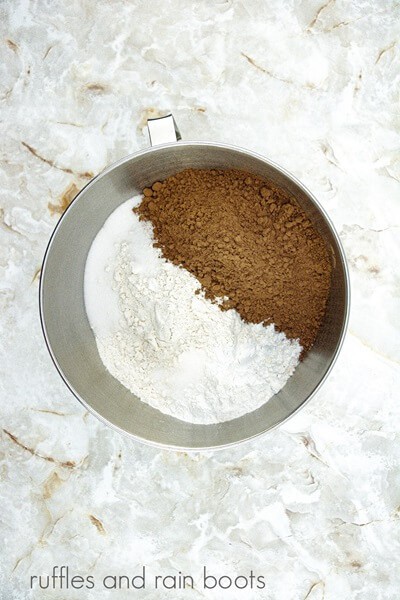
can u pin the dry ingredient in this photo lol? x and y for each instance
(245, 240)
(196, 243)
(161, 338)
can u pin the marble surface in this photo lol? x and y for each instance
(313, 84)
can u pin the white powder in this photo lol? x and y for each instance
(171, 347)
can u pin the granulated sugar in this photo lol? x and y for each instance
(161, 338)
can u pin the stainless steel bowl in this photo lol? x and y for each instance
(70, 339)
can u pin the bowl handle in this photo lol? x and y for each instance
(163, 130)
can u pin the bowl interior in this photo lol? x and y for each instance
(71, 341)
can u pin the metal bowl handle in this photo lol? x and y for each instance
(163, 130)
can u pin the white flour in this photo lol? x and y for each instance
(171, 347)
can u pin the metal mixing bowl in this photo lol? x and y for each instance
(71, 341)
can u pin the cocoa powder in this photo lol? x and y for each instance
(245, 240)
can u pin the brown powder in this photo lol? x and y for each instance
(246, 240)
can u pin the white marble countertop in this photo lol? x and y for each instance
(314, 506)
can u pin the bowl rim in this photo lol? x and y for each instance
(317, 205)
